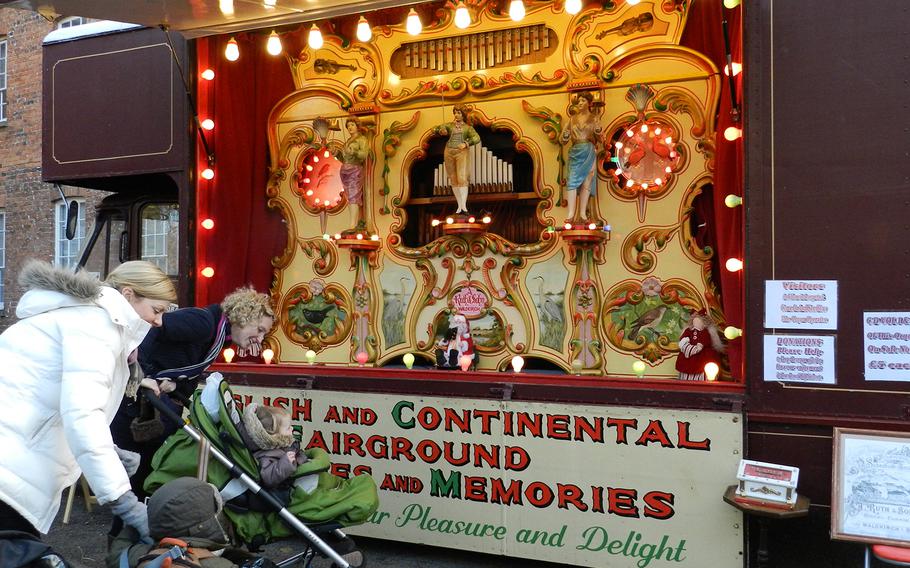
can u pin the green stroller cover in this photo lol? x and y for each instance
(345, 501)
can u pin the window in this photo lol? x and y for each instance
(70, 22)
(3, 79)
(160, 222)
(2, 253)
(66, 252)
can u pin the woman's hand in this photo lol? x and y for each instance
(167, 385)
(150, 384)
(292, 456)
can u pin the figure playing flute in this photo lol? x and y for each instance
(457, 157)
(583, 133)
(353, 157)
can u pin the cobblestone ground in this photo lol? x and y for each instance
(83, 542)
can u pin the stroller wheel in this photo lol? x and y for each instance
(355, 558)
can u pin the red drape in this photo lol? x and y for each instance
(704, 33)
(247, 235)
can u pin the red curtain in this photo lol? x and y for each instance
(246, 235)
(704, 33)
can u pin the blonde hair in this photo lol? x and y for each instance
(245, 305)
(272, 418)
(145, 278)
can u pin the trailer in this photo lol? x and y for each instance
(724, 134)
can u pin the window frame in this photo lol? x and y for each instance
(2, 256)
(4, 78)
(60, 206)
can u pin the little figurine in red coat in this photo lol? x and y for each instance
(699, 345)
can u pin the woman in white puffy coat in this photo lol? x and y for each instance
(64, 368)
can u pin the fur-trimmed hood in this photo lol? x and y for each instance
(258, 435)
(50, 287)
(37, 275)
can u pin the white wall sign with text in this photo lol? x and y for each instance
(577, 484)
(799, 358)
(886, 346)
(801, 304)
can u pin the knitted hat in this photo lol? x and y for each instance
(186, 507)
(258, 435)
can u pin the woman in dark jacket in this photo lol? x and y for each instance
(179, 351)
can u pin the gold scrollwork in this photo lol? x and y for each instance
(391, 140)
(316, 315)
(647, 317)
(326, 252)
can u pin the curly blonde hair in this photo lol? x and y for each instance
(245, 305)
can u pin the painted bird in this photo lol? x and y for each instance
(648, 320)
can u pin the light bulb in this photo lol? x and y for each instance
(269, 3)
(314, 38)
(408, 360)
(732, 201)
(374, 237)
(619, 145)
(462, 16)
(711, 370)
(731, 3)
(465, 362)
(732, 333)
(412, 24)
(639, 367)
(632, 2)
(516, 10)
(208, 271)
(208, 224)
(567, 226)
(273, 45)
(326, 237)
(310, 356)
(364, 31)
(592, 226)
(359, 236)
(208, 74)
(734, 264)
(732, 133)
(449, 220)
(362, 358)
(486, 219)
(337, 236)
(208, 124)
(577, 366)
(518, 362)
(737, 69)
(226, 7)
(228, 355)
(267, 356)
(231, 50)
(471, 219)
(434, 222)
(208, 173)
(573, 6)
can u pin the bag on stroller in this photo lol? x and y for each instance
(335, 502)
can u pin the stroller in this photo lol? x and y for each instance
(257, 516)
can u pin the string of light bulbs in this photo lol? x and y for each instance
(364, 31)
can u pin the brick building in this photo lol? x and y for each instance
(32, 213)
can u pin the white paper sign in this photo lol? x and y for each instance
(801, 304)
(886, 345)
(799, 358)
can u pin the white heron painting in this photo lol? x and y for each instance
(397, 288)
(547, 282)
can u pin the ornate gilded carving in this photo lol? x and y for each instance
(391, 140)
(316, 315)
(326, 252)
(646, 317)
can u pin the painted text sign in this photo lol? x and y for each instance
(584, 485)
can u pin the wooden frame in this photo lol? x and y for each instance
(870, 488)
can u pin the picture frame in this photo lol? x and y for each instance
(870, 486)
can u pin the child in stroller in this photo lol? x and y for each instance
(323, 501)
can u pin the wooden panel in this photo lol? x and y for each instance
(827, 183)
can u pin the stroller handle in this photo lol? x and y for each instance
(249, 482)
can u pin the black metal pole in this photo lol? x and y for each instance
(735, 105)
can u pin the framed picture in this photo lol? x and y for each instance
(870, 499)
